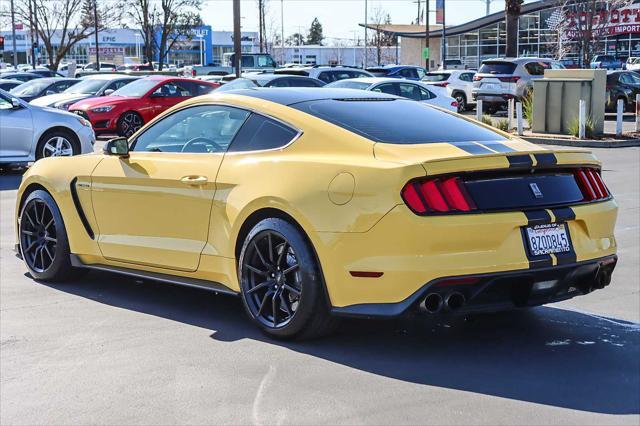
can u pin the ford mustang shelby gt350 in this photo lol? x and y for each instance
(316, 203)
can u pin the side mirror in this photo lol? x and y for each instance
(117, 146)
(108, 92)
(15, 103)
(49, 92)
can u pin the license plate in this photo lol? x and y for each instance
(547, 239)
(491, 86)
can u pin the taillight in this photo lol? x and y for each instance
(440, 195)
(477, 78)
(443, 84)
(591, 184)
(513, 79)
(454, 104)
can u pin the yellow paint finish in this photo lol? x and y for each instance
(146, 218)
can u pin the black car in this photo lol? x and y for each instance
(22, 76)
(43, 86)
(7, 84)
(623, 85)
(46, 73)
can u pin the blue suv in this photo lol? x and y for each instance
(408, 72)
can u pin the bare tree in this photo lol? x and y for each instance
(262, 26)
(63, 23)
(144, 16)
(381, 39)
(586, 23)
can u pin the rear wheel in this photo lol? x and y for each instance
(462, 102)
(281, 283)
(44, 245)
(129, 123)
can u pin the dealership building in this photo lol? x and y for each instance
(538, 36)
(114, 45)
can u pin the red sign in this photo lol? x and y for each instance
(18, 27)
(606, 22)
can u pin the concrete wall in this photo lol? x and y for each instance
(411, 51)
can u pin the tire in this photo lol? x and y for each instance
(44, 244)
(57, 143)
(462, 101)
(285, 305)
(129, 123)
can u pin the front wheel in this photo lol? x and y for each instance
(58, 143)
(44, 245)
(129, 123)
(461, 99)
(281, 283)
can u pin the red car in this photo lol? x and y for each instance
(130, 107)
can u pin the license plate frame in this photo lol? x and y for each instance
(548, 239)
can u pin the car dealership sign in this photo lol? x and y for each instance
(625, 20)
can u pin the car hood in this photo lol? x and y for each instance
(100, 101)
(49, 114)
(59, 97)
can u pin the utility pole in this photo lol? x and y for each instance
(488, 6)
(95, 23)
(366, 22)
(13, 34)
(282, 55)
(33, 44)
(35, 23)
(237, 48)
(426, 27)
(444, 35)
(418, 20)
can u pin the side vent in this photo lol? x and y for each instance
(76, 203)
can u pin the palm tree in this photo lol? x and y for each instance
(512, 12)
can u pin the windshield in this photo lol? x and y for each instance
(136, 89)
(88, 87)
(30, 88)
(238, 83)
(432, 76)
(349, 84)
(405, 121)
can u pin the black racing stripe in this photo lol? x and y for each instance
(537, 217)
(498, 146)
(78, 206)
(564, 214)
(546, 159)
(535, 262)
(520, 161)
(472, 148)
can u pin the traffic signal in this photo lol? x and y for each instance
(1, 42)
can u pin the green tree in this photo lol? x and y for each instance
(315, 33)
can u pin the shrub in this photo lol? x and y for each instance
(574, 127)
(502, 125)
(527, 107)
(486, 119)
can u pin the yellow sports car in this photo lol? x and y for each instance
(318, 203)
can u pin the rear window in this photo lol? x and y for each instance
(497, 68)
(405, 121)
(378, 72)
(432, 76)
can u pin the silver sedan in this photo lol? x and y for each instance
(28, 132)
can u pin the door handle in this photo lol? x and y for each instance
(194, 180)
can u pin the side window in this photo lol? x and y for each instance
(118, 84)
(280, 82)
(59, 87)
(389, 88)
(626, 78)
(203, 89)
(247, 61)
(426, 94)
(410, 91)
(326, 76)
(201, 129)
(635, 78)
(260, 133)
(5, 103)
(421, 73)
(175, 89)
(534, 68)
(409, 73)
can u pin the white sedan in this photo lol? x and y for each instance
(415, 90)
(29, 132)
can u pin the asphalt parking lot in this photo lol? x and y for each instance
(112, 350)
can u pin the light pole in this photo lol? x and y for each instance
(95, 22)
(13, 35)
(282, 56)
(237, 48)
(138, 46)
(366, 22)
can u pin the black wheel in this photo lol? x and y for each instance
(43, 239)
(129, 123)
(462, 102)
(58, 143)
(281, 283)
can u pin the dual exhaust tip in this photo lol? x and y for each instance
(434, 302)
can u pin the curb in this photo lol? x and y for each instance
(583, 143)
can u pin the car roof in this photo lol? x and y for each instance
(107, 76)
(294, 95)
(269, 77)
(51, 80)
(21, 73)
(374, 80)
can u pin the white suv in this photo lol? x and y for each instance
(459, 85)
(326, 73)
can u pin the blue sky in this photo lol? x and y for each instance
(339, 18)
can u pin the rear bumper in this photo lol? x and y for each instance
(497, 291)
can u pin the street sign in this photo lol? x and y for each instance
(425, 53)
